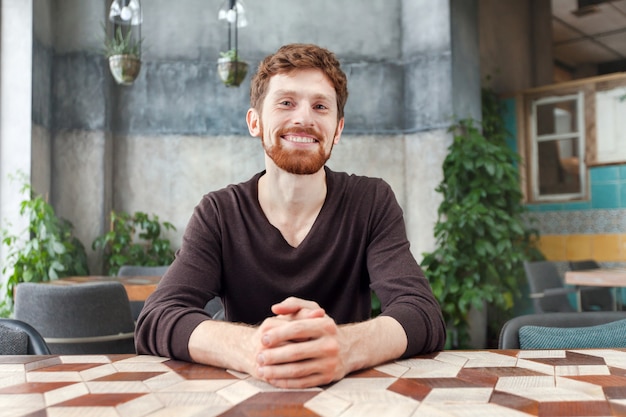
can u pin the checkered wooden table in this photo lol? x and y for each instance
(451, 383)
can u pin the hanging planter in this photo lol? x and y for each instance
(123, 48)
(231, 70)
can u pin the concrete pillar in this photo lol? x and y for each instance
(82, 143)
(16, 40)
(442, 83)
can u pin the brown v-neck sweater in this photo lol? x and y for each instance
(358, 242)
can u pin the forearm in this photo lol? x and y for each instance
(372, 342)
(224, 344)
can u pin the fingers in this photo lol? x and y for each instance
(303, 374)
(295, 306)
(277, 332)
(305, 349)
(299, 365)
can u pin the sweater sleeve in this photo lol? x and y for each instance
(176, 308)
(398, 280)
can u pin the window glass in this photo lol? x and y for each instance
(559, 117)
(559, 167)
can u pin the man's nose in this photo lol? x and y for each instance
(303, 115)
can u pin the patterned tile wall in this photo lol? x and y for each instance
(595, 229)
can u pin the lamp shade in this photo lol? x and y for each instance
(233, 11)
(126, 12)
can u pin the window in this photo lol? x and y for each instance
(566, 128)
(611, 127)
(558, 144)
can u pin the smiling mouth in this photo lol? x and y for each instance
(298, 139)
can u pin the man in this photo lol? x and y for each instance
(295, 251)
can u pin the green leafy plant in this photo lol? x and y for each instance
(122, 44)
(231, 55)
(135, 240)
(46, 250)
(482, 234)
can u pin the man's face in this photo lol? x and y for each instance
(298, 125)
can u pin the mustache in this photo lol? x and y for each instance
(310, 131)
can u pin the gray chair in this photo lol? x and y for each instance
(546, 288)
(20, 338)
(86, 318)
(214, 307)
(574, 330)
(593, 298)
(139, 270)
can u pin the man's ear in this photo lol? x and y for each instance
(253, 119)
(338, 131)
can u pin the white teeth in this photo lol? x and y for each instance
(300, 139)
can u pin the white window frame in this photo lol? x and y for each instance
(536, 139)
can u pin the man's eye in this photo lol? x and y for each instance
(285, 103)
(320, 107)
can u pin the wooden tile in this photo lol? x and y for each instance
(455, 395)
(128, 376)
(195, 371)
(574, 409)
(412, 388)
(100, 400)
(34, 387)
(327, 405)
(274, 404)
(515, 402)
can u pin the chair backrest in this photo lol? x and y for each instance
(583, 265)
(138, 270)
(541, 276)
(82, 318)
(132, 270)
(593, 298)
(20, 338)
(214, 307)
(577, 330)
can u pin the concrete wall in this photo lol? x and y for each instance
(177, 133)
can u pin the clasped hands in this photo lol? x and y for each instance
(299, 347)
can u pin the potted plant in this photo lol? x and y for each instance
(231, 69)
(124, 55)
(135, 240)
(482, 232)
(46, 250)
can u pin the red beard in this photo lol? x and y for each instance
(297, 161)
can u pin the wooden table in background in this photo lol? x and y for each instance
(602, 277)
(503, 383)
(597, 277)
(138, 288)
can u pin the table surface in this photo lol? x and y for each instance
(480, 383)
(597, 277)
(138, 287)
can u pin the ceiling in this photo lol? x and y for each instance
(595, 34)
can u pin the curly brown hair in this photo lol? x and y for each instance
(299, 56)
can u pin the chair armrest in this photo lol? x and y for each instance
(552, 292)
(90, 339)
